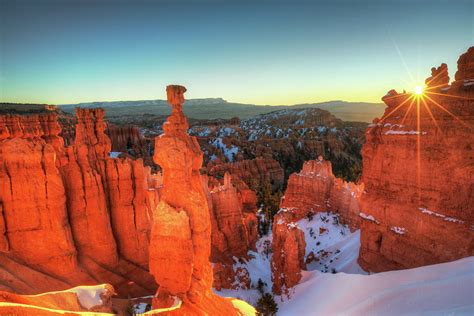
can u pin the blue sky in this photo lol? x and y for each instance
(263, 52)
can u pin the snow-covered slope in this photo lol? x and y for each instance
(442, 289)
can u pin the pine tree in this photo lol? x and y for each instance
(266, 305)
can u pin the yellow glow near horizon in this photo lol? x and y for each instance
(418, 90)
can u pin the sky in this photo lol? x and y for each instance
(259, 52)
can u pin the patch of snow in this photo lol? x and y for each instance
(392, 132)
(424, 210)
(114, 154)
(368, 217)
(229, 152)
(89, 296)
(332, 244)
(398, 230)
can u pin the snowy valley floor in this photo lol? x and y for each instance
(337, 285)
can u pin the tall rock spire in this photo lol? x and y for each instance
(180, 243)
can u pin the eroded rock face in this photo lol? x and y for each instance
(418, 175)
(181, 234)
(288, 247)
(127, 139)
(254, 173)
(234, 228)
(70, 215)
(315, 189)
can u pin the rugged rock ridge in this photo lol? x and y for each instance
(315, 189)
(72, 205)
(418, 175)
(254, 173)
(234, 230)
(181, 233)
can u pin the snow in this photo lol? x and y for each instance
(424, 210)
(114, 154)
(368, 217)
(89, 296)
(228, 152)
(398, 230)
(258, 268)
(332, 243)
(392, 132)
(442, 289)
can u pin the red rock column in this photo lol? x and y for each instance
(181, 234)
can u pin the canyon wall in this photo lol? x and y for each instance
(255, 173)
(418, 173)
(70, 215)
(234, 230)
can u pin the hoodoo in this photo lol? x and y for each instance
(180, 243)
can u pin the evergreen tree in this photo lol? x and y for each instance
(266, 305)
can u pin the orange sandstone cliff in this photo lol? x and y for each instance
(70, 215)
(418, 173)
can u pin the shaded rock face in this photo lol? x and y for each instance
(288, 247)
(128, 140)
(181, 233)
(234, 228)
(418, 175)
(315, 189)
(254, 173)
(70, 215)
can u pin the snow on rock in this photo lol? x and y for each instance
(89, 296)
(424, 210)
(368, 217)
(259, 268)
(398, 230)
(229, 152)
(330, 246)
(442, 289)
(114, 154)
(392, 132)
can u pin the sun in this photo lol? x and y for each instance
(418, 90)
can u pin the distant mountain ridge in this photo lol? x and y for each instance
(212, 108)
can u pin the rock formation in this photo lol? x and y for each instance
(70, 215)
(439, 77)
(315, 189)
(128, 140)
(418, 175)
(181, 233)
(288, 247)
(234, 229)
(254, 173)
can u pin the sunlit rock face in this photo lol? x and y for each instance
(66, 211)
(315, 189)
(180, 243)
(418, 173)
